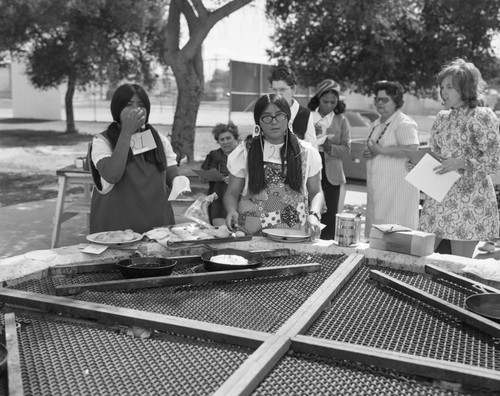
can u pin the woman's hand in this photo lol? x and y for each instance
(232, 220)
(409, 165)
(313, 228)
(367, 154)
(226, 180)
(450, 164)
(327, 145)
(133, 121)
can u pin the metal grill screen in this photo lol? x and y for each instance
(262, 304)
(298, 374)
(59, 358)
(365, 313)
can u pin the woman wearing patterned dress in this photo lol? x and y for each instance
(274, 178)
(390, 198)
(465, 138)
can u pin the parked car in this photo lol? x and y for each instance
(360, 124)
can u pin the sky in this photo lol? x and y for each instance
(243, 36)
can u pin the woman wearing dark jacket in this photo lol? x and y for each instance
(228, 137)
(329, 120)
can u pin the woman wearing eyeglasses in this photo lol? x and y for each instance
(274, 178)
(390, 198)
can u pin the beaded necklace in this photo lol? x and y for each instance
(382, 134)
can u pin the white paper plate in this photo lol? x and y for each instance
(92, 238)
(285, 235)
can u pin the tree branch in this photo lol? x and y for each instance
(199, 31)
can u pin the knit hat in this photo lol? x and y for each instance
(327, 85)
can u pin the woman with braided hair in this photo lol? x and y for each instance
(274, 178)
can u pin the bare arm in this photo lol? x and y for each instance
(316, 203)
(231, 199)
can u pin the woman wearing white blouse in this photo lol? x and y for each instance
(274, 179)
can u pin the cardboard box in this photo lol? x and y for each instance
(416, 243)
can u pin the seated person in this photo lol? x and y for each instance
(131, 185)
(274, 179)
(228, 137)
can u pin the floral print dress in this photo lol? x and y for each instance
(469, 210)
(277, 206)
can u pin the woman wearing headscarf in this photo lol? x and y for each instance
(274, 178)
(390, 198)
(329, 120)
(132, 166)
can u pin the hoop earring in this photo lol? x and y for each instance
(256, 130)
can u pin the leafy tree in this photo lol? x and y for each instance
(358, 42)
(78, 41)
(81, 41)
(187, 63)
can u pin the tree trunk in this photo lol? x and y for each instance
(190, 84)
(68, 103)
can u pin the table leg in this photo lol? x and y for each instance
(61, 196)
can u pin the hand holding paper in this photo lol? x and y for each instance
(427, 180)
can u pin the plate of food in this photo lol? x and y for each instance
(230, 259)
(285, 235)
(114, 237)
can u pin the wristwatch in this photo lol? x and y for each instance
(315, 214)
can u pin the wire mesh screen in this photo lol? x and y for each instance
(60, 358)
(365, 313)
(261, 304)
(299, 374)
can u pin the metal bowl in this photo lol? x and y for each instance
(254, 260)
(145, 267)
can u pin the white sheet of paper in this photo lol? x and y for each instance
(180, 184)
(425, 179)
(94, 248)
(142, 142)
(320, 139)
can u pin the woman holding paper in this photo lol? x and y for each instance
(228, 137)
(333, 130)
(465, 138)
(132, 164)
(274, 179)
(390, 198)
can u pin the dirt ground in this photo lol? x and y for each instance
(29, 159)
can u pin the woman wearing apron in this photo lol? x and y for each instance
(274, 178)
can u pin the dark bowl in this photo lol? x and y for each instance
(145, 267)
(254, 260)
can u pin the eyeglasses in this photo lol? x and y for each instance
(268, 119)
(381, 100)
